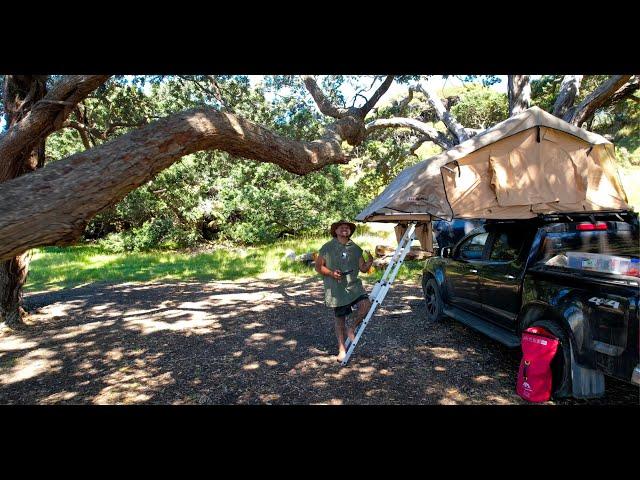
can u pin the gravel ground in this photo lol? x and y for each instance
(248, 342)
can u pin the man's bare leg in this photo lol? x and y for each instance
(340, 333)
(363, 308)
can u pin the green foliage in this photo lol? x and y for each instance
(544, 91)
(212, 196)
(149, 236)
(481, 107)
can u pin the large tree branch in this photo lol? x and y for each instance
(567, 95)
(325, 106)
(382, 89)
(595, 100)
(397, 122)
(626, 91)
(53, 205)
(47, 115)
(458, 131)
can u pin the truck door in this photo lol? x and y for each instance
(462, 272)
(500, 276)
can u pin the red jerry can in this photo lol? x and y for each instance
(539, 347)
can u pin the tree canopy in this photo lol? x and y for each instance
(137, 162)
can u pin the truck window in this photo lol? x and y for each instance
(507, 246)
(611, 248)
(473, 247)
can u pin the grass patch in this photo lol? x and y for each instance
(64, 267)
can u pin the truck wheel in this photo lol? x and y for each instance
(561, 363)
(433, 301)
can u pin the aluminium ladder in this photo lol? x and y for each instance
(380, 289)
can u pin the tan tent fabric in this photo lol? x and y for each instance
(423, 234)
(531, 163)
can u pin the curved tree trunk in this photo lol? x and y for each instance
(519, 93)
(21, 92)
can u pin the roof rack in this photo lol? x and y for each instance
(621, 216)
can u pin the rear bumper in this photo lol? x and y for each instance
(635, 377)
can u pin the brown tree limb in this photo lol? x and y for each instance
(627, 91)
(382, 89)
(458, 131)
(404, 103)
(82, 129)
(53, 205)
(324, 104)
(47, 115)
(595, 100)
(569, 90)
(397, 122)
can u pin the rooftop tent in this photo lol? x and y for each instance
(532, 163)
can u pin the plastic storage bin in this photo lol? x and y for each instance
(600, 262)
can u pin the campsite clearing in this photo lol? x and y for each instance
(247, 342)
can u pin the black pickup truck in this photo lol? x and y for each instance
(574, 274)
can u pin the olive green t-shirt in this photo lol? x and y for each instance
(344, 258)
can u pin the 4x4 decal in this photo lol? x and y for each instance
(603, 301)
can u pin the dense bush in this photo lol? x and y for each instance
(480, 107)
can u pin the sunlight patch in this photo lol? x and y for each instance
(269, 397)
(31, 365)
(198, 323)
(58, 397)
(16, 343)
(69, 332)
(445, 353)
(333, 401)
(128, 385)
(453, 397)
(499, 400)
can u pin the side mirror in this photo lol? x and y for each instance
(445, 252)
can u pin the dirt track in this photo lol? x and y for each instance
(252, 342)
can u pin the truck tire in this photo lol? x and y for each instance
(433, 301)
(561, 363)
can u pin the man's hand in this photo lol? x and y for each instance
(365, 266)
(336, 274)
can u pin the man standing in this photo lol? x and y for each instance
(339, 262)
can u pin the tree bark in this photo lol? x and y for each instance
(625, 92)
(519, 93)
(65, 195)
(21, 92)
(44, 117)
(444, 115)
(568, 92)
(433, 135)
(324, 104)
(595, 100)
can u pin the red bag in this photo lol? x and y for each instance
(539, 347)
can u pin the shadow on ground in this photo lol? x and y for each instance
(246, 342)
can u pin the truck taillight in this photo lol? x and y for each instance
(591, 226)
